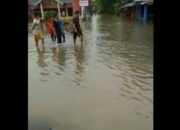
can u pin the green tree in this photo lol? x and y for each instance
(108, 6)
(118, 4)
(49, 14)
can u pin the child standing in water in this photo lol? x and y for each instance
(62, 28)
(56, 24)
(51, 30)
(37, 30)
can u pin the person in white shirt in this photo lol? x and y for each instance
(37, 30)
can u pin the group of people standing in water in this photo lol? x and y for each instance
(56, 29)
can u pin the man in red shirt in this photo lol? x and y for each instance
(51, 30)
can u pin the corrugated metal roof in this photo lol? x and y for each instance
(60, 1)
(66, 1)
(143, 0)
(136, 2)
(147, 3)
(128, 5)
(35, 2)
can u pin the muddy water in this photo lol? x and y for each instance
(104, 84)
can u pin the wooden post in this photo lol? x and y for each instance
(42, 12)
(42, 16)
(82, 11)
(67, 12)
(59, 11)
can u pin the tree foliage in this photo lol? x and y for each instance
(49, 14)
(108, 6)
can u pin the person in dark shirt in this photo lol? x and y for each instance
(56, 23)
(77, 31)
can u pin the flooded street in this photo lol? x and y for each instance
(106, 84)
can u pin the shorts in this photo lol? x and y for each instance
(38, 36)
(78, 33)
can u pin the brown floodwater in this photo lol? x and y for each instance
(106, 83)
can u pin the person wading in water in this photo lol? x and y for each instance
(51, 30)
(77, 31)
(62, 28)
(57, 27)
(37, 30)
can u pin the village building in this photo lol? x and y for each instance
(138, 9)
(63, 7)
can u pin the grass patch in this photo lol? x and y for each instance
(68, 23)
(67, 20)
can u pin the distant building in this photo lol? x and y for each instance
(68, 7)
(144, 9)
(88, 9)
(76, 6)
(60, 6)
(138, 9)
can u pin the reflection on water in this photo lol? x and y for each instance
(59, 56)
(41, 58)
(79, 56)
(106, 83)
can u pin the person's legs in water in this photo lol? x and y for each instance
(63, 35)
(36, 40)
(59, 38)
(52, 37)
(42, 38)
(80, 34)
(75, 34)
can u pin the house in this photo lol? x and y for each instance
(68, 9)
(138, 9)
(86, 10)
(63, 7)
(75, 5)
(144, 9)
(129, 10)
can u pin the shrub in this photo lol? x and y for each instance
(67, 20)
(49, 14)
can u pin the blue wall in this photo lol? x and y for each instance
(145, 12)
(142, 12)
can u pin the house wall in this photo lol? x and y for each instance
(75, 5)
(133, 13)
(144, 12)
(52, 5)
